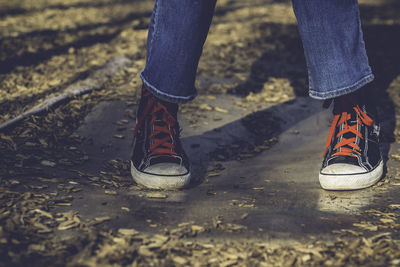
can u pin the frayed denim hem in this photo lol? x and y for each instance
(165, 96)
(342, 91)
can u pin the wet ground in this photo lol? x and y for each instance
(254, 138)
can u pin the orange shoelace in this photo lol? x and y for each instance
(160, 146)
(348, 146)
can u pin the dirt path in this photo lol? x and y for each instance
(255, 141)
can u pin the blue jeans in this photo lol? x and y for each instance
(330, 30)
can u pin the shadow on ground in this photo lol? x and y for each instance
(277, 184)
(255, 174)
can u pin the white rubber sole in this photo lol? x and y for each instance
(351, 181)
(152, 181)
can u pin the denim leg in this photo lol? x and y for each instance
(333, 46)
(177, 32)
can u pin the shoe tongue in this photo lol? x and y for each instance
(165, 159)
(160, 123)
(171, 107)
(344, 159)
(351, 122)
(161, 135)
(346, 105)
(343, 104)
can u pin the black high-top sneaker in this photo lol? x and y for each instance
(158, 160)
(352, 158)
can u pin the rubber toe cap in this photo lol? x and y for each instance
(342, 169)
(166, 169)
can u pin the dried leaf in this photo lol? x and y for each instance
(205, 107)
(156, 195)
(48, 163)
(221, 110)
(99, 220)
(110, 192)
(128, 232)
